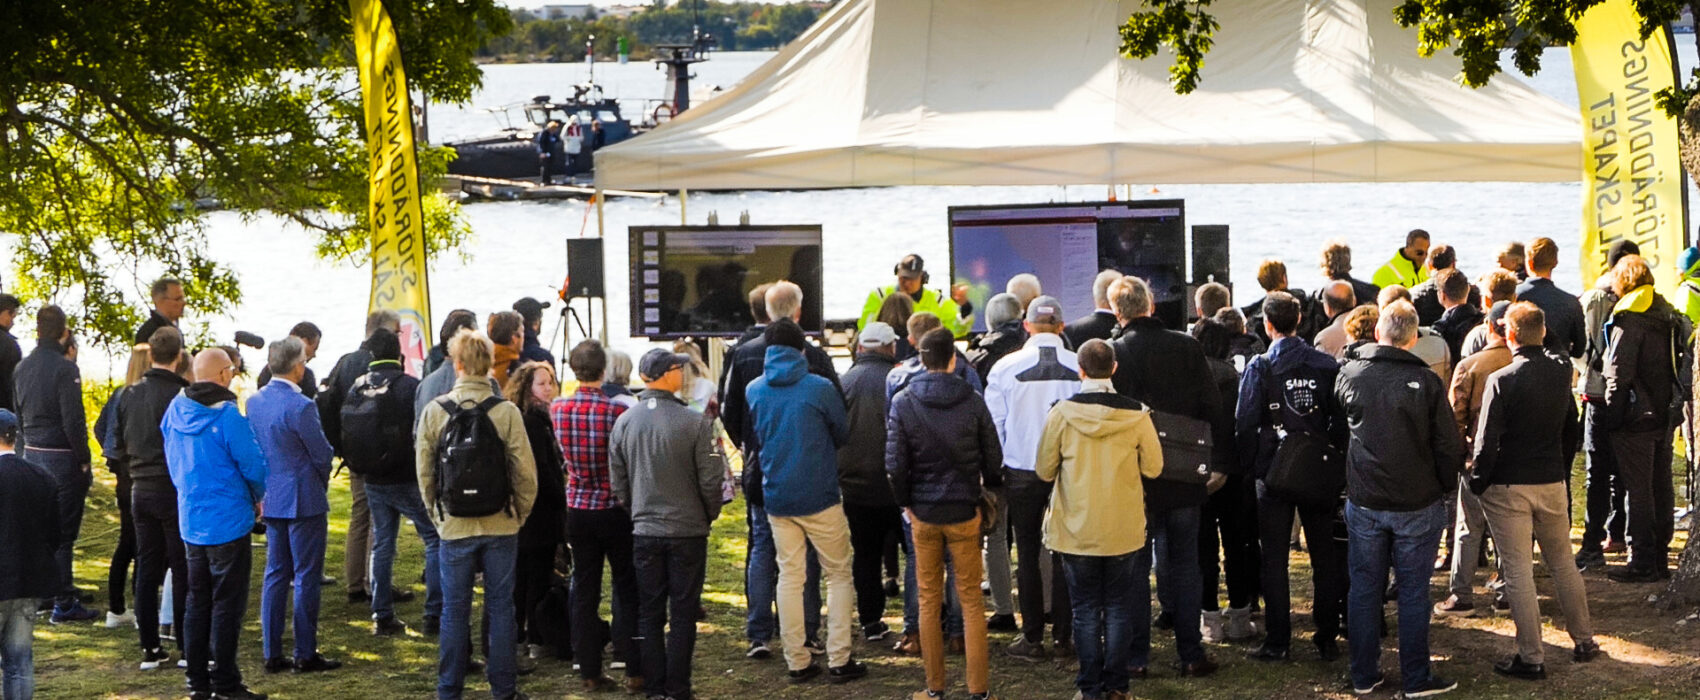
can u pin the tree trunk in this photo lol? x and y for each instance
(1684, 587)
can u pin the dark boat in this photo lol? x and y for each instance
(590, 120)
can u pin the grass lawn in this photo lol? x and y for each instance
(1651, 652)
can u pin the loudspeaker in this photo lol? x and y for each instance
(584, 267)
(1210, 255)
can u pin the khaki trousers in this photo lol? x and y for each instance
(357, 549)
(963, 541)
(829, 532)
(1516, 515)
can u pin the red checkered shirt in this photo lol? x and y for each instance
(583, 422)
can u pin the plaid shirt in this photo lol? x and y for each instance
(583, 422)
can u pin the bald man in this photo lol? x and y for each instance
(220, 475)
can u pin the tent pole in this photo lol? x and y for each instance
(682, 219)
(603, 301)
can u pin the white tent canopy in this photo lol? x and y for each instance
(1017, 92)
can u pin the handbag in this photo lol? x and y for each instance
(1186, 445)
(988, 507)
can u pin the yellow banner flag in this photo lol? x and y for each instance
(398, 224)
(1634, 187)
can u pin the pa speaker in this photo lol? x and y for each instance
(584, 267)
(1210, 254)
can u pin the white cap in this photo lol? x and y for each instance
(876, 334)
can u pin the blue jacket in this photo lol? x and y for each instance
(798, 420)
(215, 463)
(286, 424)
(1305, 378)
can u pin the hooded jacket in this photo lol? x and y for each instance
(29, 529)
(1305, 378)
(141, 444)
(1639, 371)
(985, 351)
(797, 421)
(664, 466)
(941, 449)
(1530, 430)
(1165, 370)
(50, 402)
(1099, 448)
(216, 465)
(1404, 453)
(748, 361)
(861, 461)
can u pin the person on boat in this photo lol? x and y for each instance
(549, 152)
(955, 311)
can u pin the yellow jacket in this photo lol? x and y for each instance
(931, 301)
(522, 469)
(1399, 271)
(1098, 447)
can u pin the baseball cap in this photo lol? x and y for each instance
(1045, 309)
(660, 361)
(530, 309)
(876, 334)
(1496, 316)
(8, 422)
(911, 266)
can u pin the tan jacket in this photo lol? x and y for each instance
(1468, 384)
(522, 470)
(1097, 449)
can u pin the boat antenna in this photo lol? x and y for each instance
(590, 56)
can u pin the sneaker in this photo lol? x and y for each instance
(875, 631)
(1516, 667)
(1454, 606)
(814, 647)
(1269, 652)
(1237, 624)
(1380, 678)
(388, 627)
(240, 693)
(1586, 651)
(1027, 651)
(1211, 627)
(116, 620)
(538, 652)
(73, 614)
(1588, 559)
(804, 674)
(758, 650)
(927, 695)
(153, 658)
(1001, 623)
(326, 581)
(851, 670)
(908, 645)
(279, 665)
(316, 663)
(1435, 685)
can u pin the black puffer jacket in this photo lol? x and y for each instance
(861, 461)
(1640, 376)
(1166, 370)
(940, 448)
(987, 349)
(1404, 452)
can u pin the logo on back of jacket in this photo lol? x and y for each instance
(1301, 395)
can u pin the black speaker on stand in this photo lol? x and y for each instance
(584, 281)
(1210, 255)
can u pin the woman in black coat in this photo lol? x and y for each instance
(532, 387)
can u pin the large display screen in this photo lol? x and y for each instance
(1066, 245)
(695, 280)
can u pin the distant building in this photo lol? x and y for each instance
(585, 11)
(623, 11)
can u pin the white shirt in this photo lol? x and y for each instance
(1021, 389)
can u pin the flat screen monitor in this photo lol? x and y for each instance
(1066, 245)
(695, 281)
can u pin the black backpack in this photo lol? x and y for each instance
(377, 428)
(1307, 469)
(472, 462)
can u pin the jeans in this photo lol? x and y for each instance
(1606, 507)
(1172, 545)
(17, 658)
(996, 562)
(962, 541)
(1471, 528)
(357, 554)
(1028, 498)
(295, 557)
(1231, 514)
(1644, 466)
(1407, 542)
(1275, 524)
(595, 536)
(387, 504)
(761, 583)
(118, 571)
(869, 528)
(911, 590)
(72, 489)
(671, 571)
(458, 560)
(1520, 513)
(159, 548)
(218, 602)
(829, 532)
(1105, 592)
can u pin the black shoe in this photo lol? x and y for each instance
(1001, 623)
(851, 670)
(430, 625)
(239, 694)
(1328, 649)
(316, 663)
(1590, 559)
(401, 596)
(200, 695)
(875, 631)
(154, 658)
(388, 627)
(1516, 667)
(1435, 685)
(804, 674)
(1586, 651)
(758, 650)
(1379, 679)
(891, 589)
(1635, 574)
(279, 665)
(359, 597)
(327, 580)
(474, 666)
(1269, 652)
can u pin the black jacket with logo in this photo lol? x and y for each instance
(1404, 453)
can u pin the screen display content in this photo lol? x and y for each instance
(695, 280)
(1066, 245)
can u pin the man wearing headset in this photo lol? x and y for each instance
(956, 312)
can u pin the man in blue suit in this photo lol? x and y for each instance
(287, 427)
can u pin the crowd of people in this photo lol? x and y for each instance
(1043, 469)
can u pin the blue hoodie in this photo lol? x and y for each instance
(799, 423)
(216, 465)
